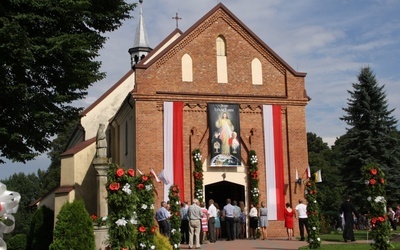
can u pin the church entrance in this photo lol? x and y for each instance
(219, 192)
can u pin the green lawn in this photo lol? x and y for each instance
(334, 240)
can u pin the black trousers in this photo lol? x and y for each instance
(303, 223)
(211, 229)
(163, 225)
(230, 223)
(185, 231)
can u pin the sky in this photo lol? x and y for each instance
(330, 40)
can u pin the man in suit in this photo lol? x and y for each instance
(348, 209)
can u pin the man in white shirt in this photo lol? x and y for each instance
(212, 213)
(303, 218)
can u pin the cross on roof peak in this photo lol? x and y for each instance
(177, 18)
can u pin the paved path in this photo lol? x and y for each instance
(271, 244)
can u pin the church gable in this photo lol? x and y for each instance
(218, 54)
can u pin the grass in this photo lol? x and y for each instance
(334, 241)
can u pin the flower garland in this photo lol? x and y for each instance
(145, 208)
(198, 175)
(175, 219)
(374, 178)
(253, 177)
(99, 221)
(121, 202)
(313, 215)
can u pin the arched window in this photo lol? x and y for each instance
(187, 68)
(256, 72)
(222, 67)
(221, 49)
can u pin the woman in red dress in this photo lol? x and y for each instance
(289, 213)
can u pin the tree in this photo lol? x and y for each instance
(48, 50)
(50, 178)
(41, 232)
(28, 187)
(74, 228)
(320, 157)
(370, 138)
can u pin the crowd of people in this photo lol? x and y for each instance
(201, 225)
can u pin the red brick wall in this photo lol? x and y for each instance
(161, 81)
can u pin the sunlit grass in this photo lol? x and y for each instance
(334, 240)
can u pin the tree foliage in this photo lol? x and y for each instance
(320, 157)
(48, 51)
(371, 137)
(74, 228)
(41, 232)
(27, 186)
(50, 178)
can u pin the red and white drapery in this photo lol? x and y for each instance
(173, 147)
(274, 171)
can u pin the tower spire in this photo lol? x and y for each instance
(141, 44)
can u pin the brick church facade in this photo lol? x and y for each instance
(218, 61)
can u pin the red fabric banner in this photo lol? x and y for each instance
(178, 148)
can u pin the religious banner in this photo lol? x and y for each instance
(224, 126)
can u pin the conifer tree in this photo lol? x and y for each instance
(371, 137)
(74, 228)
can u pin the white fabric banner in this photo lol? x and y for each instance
(270, 162)
(168, 146)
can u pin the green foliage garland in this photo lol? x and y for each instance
(313, 215)
(121, 202)
(146, 227)
(253, 177)
(175, 219)
(375, 180)
(198, 175)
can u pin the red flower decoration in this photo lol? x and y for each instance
(140, 186)
(177, 213)
(373, 220)
(198, 175)
(381, 219)
(120, 172)
(382, 181)
(93, 216)
(255, 175)
(174, 189)
(153, 229)
(374, 171)
(372, 181)
(145, 177)
(131, 172)
(115, 186)
(142, 229)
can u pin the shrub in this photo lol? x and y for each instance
(41, 231)
(74, 228)
(17, 242)
(161, 242)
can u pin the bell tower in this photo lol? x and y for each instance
(140, 46)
